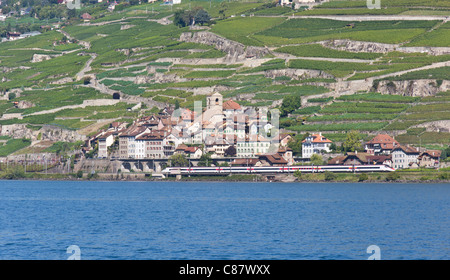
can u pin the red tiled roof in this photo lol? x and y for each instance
(431, 153)
(274, 158)
(317, 138)
(385, 141)
(407, 149)
(382, 138)
(231, 105)
(190, 149)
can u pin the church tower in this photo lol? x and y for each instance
(214, 102)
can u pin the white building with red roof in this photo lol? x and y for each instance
(315, 144)
(381, 144)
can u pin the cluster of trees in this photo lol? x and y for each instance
(22, 28)
(445, 153)
(289, 105)
(198, 15)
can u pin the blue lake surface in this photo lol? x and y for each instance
(216, 220)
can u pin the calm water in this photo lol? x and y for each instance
(204, 220)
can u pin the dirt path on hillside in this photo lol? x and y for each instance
(431, 66)
(372, 18)
(87, 67)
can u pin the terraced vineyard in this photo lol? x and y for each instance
(350, 74)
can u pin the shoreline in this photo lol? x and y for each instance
(311, 178)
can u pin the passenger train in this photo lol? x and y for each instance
(274, 169)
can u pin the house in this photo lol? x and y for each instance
(112, 6)
(282, 140)
(272, 160)
(404, 156)
(252, 145)
(287, 154)
(116, 126)
(232, 129)
(429, 159)
(231, 107)
(12, 35)
(128, 146)
(104, 142)
(361, 159)
(381, 144)
(86, 17)
(193, 152)
(25, 11)
(153, 145)
(315, 144)
(216, 145)
(190, 152)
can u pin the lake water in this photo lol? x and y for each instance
(212, 220)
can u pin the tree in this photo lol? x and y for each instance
(87, 80)
(230, 151)
(178, 18)
(11, 96)
(298, 174)
(202, 17)
(183, 18)
(178, 160)
(363, 177)
(330, 176)
(445, 153)
(316, 159)
(16, 172)
(290, 104)
(205, 160)
(222, 13)
(352, 142)
(393, 176)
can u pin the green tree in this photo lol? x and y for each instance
(393, 176)
(290, 104)
(178, 160)
(296, 143)
(202, 17)
(352, 142)
(445, 153)
(330, 176)
(363, 177)
(230, 151)
(298, 174)
(205, 160)
(178, 18)
(316, 159)
(16, 172)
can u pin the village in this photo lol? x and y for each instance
(227, 132)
